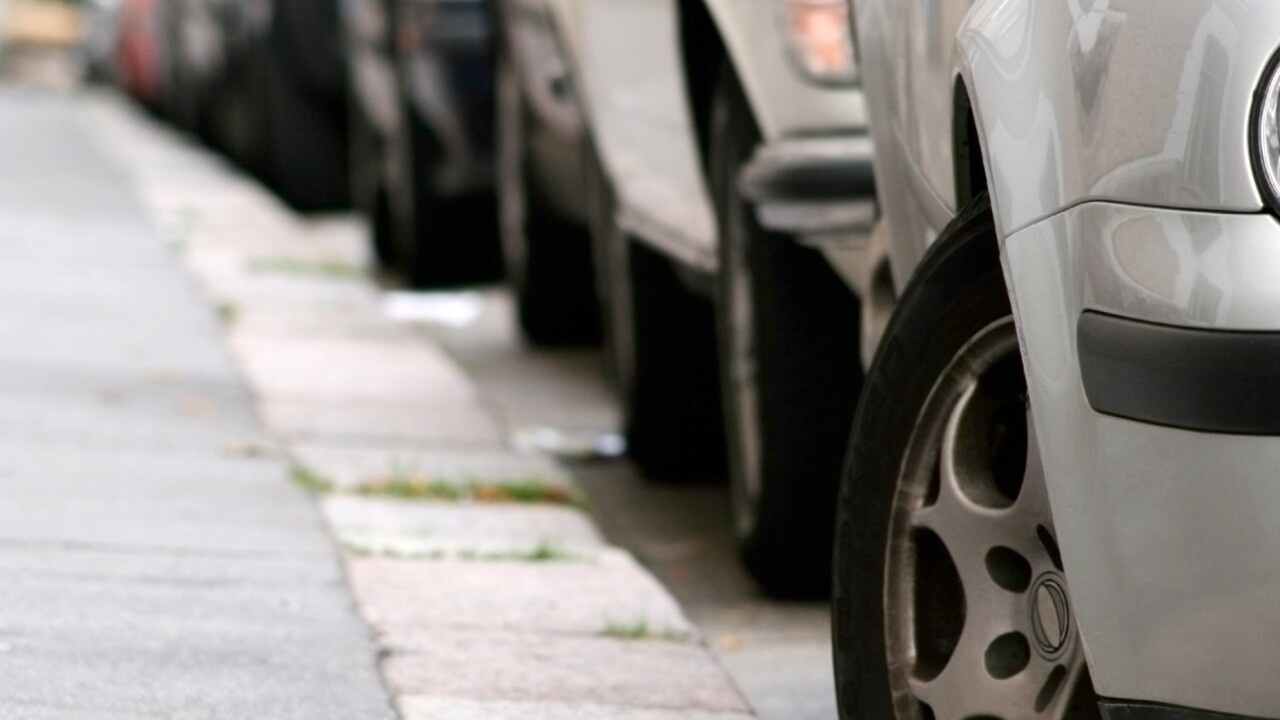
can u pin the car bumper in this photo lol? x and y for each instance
(1165, 507)
(1145, 711)
(813, 185)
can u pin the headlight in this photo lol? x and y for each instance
(820, 39)
(1266, 135)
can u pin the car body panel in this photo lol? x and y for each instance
(1055, 87)
(786, 104)
(1169, 536)
(631, 66)
(1115, 140)
(628, 65)
(1144, 103)
(555, 133)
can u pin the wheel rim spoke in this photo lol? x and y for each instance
(963, 689)
(1058, 697)
(1017, 653)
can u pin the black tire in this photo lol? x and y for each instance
(239, 122)
(367, 151)
(548, 256)
(438, 241)
(305, 154)
(790, 373)
(367, 195)
(660, 349)
(956, 296)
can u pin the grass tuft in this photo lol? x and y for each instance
(528, 490)
(542, 552)
(310, 479)
(228, 312)
(640, 630)
(294, 266)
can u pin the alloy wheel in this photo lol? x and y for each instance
(978, 619)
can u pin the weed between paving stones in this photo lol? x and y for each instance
(294, 266)
(542, 552)
(640, 630)
(228, 312)
(310, 479)
(528, 490)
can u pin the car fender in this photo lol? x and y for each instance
(785, 103)
(1078, 101)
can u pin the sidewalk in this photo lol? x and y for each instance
(487, 591)
(150, 570)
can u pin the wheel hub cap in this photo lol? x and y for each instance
(1050, 616)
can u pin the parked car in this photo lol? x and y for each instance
(1060, 499)
(421, 104)
(192, 31)
(101, 34)
(140, 51)
(728, 182)
(544, 162)
(278, 102)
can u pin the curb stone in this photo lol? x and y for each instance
(483, 610)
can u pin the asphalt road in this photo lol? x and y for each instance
(778, 653)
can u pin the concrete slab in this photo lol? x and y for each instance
(257, 321)
(455, 425)
(445, 708)
(350, 467)
(417, 527)
(598, 595)
(568, 669)
(346, 370)
(272, 290)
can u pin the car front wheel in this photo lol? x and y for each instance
(950, 597)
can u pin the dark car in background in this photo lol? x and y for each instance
(421, 121)
(384, 105)
(194, 57)
(545, 166)
(277, 102)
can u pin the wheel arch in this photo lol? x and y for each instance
(703, 52)
(969, 167)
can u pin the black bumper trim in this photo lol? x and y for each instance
(1126, 710)
(1216, 381)
(810, 170)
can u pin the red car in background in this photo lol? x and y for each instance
(140, 50)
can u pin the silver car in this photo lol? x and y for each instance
(1062, 488)
(716, 150)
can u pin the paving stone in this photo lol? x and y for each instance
(416, 707)
(320, 369)
(417, 527)
(256, 322)
(507, 665)
(595, 595)
(350, 467)
(463, 424)
(281, 290)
